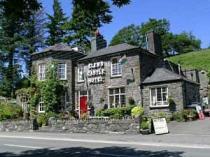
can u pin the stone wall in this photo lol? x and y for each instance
(125, 126)
(19, 126)
(130, 79)
(191, 92)
(175, 91)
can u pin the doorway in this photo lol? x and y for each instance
(83, 107)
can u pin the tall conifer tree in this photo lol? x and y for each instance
(54, 26)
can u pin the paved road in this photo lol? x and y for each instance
(95, 145)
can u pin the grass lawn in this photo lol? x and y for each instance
(194, 60)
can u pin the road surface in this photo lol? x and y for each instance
(102, 145)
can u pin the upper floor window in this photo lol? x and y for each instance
(117, 97)
(159, 97)
(116, 67)
(42, 72)
(62, 70)
(81, 76)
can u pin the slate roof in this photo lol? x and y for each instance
(55, 48)
(62, 50)
(110, 50)
(162, 74)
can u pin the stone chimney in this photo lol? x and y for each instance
(98, 42)
(154, 43)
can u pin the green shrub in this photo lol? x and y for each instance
(189, 114)
(10, 111)
(178, 116)
(42, 119)
(137, 111)
(116, 113)
(185, 115)
(145, 123)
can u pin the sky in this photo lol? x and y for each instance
(183, 15)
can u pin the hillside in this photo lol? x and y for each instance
(194, 60)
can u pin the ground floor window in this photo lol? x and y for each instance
(117, 97)
(41, 106)
(158, 96)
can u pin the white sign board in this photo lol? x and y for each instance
(160, 126)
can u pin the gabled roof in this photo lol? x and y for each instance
(110, 50)
(162, 75)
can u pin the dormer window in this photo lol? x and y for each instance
(62, 71)
(42, 71)
(116, 67)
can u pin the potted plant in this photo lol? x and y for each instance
(145, 126)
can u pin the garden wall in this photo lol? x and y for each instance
(124, 126)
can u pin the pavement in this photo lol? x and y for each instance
(191, 139)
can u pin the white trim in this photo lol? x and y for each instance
(41, 73)
(114, 95)
(79, 95)
(65, 72)
(119, 75)
(41, 102)
(162, 102)
(78, 74)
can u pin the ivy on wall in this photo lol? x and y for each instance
(50, 90)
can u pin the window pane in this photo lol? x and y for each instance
(117, 100)
(159, 98)
(117, 91)
(163, 89)
(122, 90)
(122, 100)
(81, 76)
(83, 93)
(61, 70)
(153, 96)
(116, 67)
(111, 101)
(111, 91)
(164, 96)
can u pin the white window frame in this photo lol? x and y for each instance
(118, 73)
(116, 94)
(78, 73)
(41, 106)
(65, 71)
(42, 72)
(161, 103)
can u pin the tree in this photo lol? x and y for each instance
(14, 15)
(34, 38)
(185, 42)
(130, 34)
(87, 16)
(171, 43)
(54, 26)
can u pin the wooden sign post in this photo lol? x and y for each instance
(160, 126)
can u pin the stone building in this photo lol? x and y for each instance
(109, 76)
(66, 59)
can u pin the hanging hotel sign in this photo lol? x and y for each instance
(96, 72)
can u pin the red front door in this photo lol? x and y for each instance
(83, 105)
